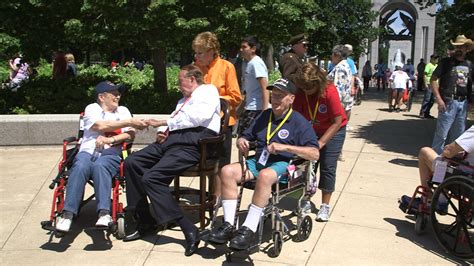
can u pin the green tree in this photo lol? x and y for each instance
(345, 21)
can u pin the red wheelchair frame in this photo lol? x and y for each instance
(454, 229)
(60, 181)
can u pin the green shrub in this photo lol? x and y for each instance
(43, 95)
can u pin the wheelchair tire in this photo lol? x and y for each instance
(304, 228)
(420, 224)
(454, 228)
(120, 227)
(277, 243)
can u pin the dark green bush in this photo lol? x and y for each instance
(43, 95)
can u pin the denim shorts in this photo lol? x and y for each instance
(255, 168)
(400, 90)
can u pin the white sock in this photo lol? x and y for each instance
(230, 207)
(253, 217)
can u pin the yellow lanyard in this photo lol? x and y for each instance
(269, 128)
(313, 118)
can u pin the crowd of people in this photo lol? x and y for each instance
(305, 113)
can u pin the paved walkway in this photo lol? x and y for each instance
(366, 226)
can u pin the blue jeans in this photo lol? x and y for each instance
(428, 101)
(101, 171)
(452, 121)
(328, 156)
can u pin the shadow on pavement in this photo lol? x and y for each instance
(405, 162)
(399, 136)
(406, 229)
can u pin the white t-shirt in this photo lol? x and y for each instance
(253, 70)
(94, 113)
(466, 141)
(400, 79)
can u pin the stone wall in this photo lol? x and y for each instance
(52, 129)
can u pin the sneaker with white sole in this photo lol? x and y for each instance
(63, 224)
(104, 221)
(323, 213)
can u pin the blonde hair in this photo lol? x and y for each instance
(310, 76)
(69, 58)
(205, 41)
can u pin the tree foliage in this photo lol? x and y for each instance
(159, 29)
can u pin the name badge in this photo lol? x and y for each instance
(264, 157)
(439, 171)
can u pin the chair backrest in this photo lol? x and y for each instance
(225, 115)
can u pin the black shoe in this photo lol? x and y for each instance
(224, 233)
(429, 116)
(192, 242)
(397, 110)
(390, 109)
(244, 238)
(140, 231)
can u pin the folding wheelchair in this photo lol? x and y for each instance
(450, 214)
(299, 183)
(58, 185)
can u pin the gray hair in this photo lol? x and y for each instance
(340, 50)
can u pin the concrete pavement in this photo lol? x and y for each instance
(366, 226)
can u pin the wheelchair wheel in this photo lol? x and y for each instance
(277, 243)
(120, 227)
(304, 228)
(454, 227)
(420, 224)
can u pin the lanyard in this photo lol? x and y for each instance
(181, 107)
(269, 128)
(313, 117)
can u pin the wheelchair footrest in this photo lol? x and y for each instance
(47, 225)
(404, 203)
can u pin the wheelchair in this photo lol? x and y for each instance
(299, 183)
(451, 213)
(58, 185)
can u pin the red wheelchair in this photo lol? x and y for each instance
(451, 212)
(59, 183)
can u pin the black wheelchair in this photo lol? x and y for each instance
(71, 147)
(451, 212)
(298, 183)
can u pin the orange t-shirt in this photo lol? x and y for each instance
(221, 73)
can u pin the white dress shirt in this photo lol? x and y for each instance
(201, 109)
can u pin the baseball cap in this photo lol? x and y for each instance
(284, 85)
(106, 86)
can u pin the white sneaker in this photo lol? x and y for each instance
(323, 213)
(104, 221)
(63, 224)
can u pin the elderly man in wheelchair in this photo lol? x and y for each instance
(450, 207)
(106, 126)
(280, 133)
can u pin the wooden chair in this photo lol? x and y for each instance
(211, 150)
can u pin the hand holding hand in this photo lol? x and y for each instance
(138, 123)
(155, 123)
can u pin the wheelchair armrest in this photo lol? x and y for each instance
(211, 140)
(70, 139)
